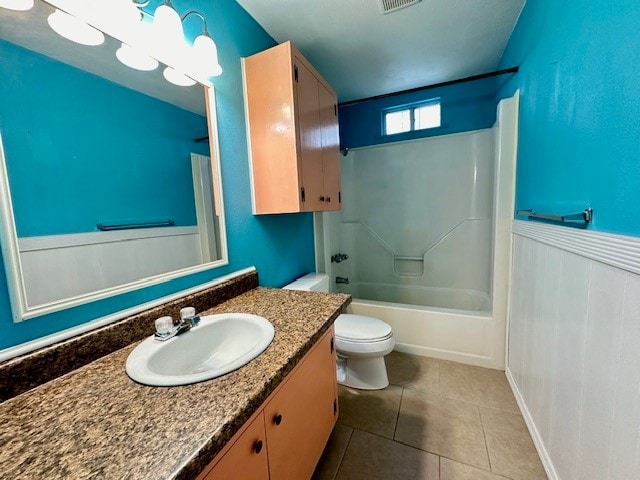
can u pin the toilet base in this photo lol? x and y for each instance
(369, 373)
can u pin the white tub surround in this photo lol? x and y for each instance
(427, 228)
(574, 348)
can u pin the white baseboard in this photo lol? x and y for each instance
(535, 435)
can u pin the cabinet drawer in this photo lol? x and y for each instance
(300, 416)
(246, 459)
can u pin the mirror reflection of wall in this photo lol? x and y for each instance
(83, 151)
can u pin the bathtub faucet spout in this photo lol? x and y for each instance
(344, 280)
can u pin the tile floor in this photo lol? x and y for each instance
(437, 420)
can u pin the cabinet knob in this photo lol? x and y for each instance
(257, 446)
(328, 199)
(277, 419)
(322, 199)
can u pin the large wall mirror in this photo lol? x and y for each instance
(108, 181)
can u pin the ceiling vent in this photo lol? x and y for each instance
(388, 6)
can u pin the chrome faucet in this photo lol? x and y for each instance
(344, 280)
(183, 326)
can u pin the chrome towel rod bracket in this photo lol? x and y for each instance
(586, 216)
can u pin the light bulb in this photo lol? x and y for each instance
(19, 5)
(177, 78)
(123, 15)
(205, 56)
(167, 25)
(132, 57)
(74, 29)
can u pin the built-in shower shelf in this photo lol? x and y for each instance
(586, 216)
(408, 266)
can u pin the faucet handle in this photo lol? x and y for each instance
(164, 325)
(187, 312)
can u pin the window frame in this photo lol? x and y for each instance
(412, 119)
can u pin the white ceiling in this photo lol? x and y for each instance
(363, 53)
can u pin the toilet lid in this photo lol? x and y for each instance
(361, 328)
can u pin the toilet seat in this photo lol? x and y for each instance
(361, 329)
(363, 336)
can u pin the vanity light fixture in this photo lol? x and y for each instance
(131, 57)
(180, 79)
(74, 29)
(167, 29)
(203, 55)
(19, 5)
(128, 13)
(204, 50)
(143, 42)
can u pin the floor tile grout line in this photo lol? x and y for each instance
(395, 427)
(438, 391)
(468, 402)
(421, 450)
(396, 441)
(344, 454)
(484, 435)
(499, 475)
(438, 454)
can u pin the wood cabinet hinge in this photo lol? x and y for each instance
(295, 73)
(335, 406)
(335, 109)
(302, 194)
(339, 197)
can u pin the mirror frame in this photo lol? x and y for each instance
(9, 240)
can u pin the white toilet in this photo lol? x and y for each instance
(361, 341)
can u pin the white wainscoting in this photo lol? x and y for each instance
(574, 349)
(64, 266)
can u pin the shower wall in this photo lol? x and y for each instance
(417, 213)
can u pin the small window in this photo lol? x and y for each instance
(415, 117)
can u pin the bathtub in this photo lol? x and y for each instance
(441, 298)
(443, 323)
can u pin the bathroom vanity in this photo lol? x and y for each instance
(298, 417)
(95, 422)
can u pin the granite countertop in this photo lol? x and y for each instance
(95, 422)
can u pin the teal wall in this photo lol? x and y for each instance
(280, 246)
(580, 109)
(464, 107)
(102, 153)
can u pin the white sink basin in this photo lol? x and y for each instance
(220, 344)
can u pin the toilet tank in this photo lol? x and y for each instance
(311, 282)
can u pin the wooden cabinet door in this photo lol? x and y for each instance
(309, 137)
(293, 137)
(271, 125)
(246, 459)
(330, 138)
(300, 416)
